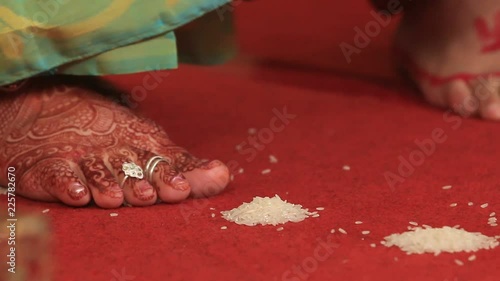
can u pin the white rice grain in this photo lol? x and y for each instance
(212, 208)
(358, 222)
(459, 262)
(279, 229)
(213, 215)
(472, 258)
(365, 232)
(341, 230)
(241, 170)
(470, 203)
(413, 223)
(453, 204)
(223, 227)
(346, 168)
(446, 187)
(273, 159)
(45, 211)
(493, 224)
(373, 245)
(484, 205)
(266, 171)
(320, 208)
(315, 215)
(332, 231)
(113, 215)
(492, 214)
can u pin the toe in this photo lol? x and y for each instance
(486, 91)
(171, 185)
(55, 179)
(461, 98)
(105, 189)
(205, 178)
(137, 191)
(208, 179)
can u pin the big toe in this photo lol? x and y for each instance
(208, 179)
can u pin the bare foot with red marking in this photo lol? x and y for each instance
(452, 51)
(68, 144)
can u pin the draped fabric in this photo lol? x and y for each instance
(92, 37)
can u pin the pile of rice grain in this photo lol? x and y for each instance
(265, 210)
(436, 240)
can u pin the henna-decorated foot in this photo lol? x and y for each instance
(68, 143)
(451, 49)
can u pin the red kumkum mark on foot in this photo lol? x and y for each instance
(489, 37)
(436, 80)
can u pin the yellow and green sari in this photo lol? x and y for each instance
(95, 37)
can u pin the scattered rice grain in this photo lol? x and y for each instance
(459, 262)
(241, 170)
(492, 219)
(365, 232)
(413, 223)
(113, 215)
(453, 204)
(266, 171)
(232, 177)
(373, 245)
(493, 224)
(45, 211)
(332, 231)
(446, 187)
(484, 205)
(470, 203)
(223, 227)
(320, 208)
(346, 168)
(492, 214)
(212, 208)
(472, 258)
(358, 222)
(273, 159)
(279, 229)
(315, 215)
(341, 230)
(396, 259)
(213, 215)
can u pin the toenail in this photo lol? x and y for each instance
(77, 191)
(493, 111)
(179, 183)
(143, 190)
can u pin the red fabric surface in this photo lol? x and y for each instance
(340, 120)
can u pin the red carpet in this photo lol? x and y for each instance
(344, 115)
